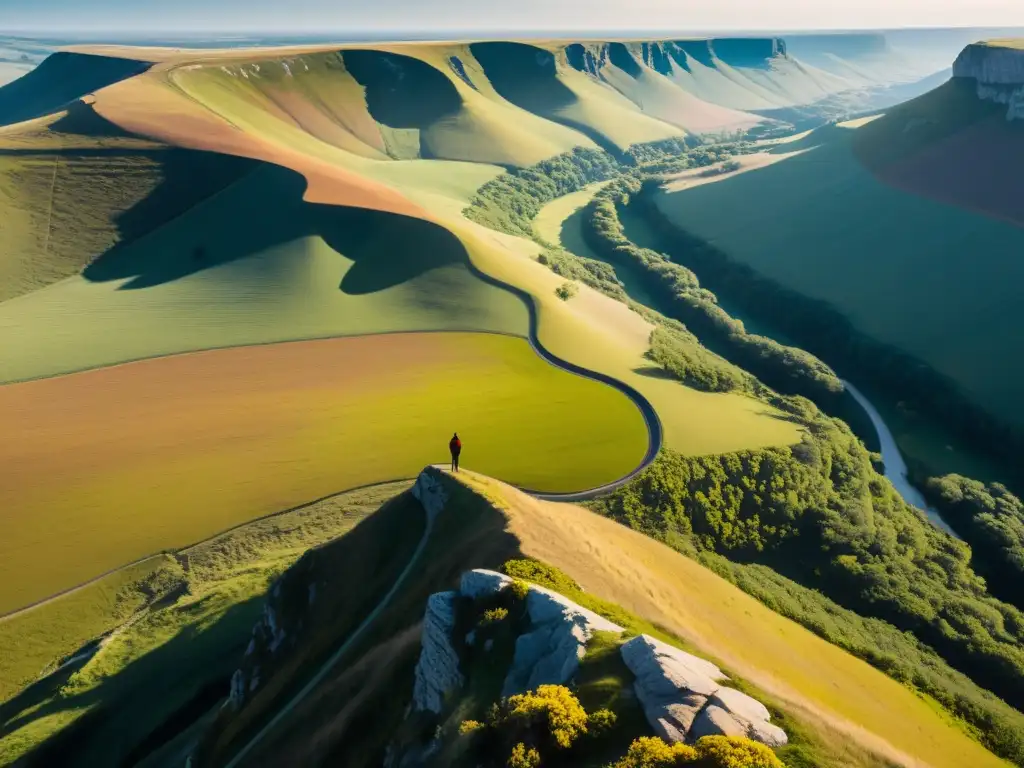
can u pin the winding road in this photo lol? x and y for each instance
(655, 432)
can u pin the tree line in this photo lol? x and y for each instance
(821, 329)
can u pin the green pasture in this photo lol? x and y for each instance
(253, 264)
(198, 452)
(937, 281)
(178, 647)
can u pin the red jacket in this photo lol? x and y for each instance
(455, 446)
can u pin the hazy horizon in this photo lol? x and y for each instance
(411, 18)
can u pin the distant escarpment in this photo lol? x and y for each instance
(998, 69)
(667, 56)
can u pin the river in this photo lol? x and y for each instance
(895, 466)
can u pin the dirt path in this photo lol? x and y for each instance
(332, 662)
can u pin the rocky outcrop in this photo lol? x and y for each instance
(430, 492)
(437, 671)
(683, 695)
(550, 653)
(999, 73)
(683, 698)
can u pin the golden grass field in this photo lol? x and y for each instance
(119, 463)
(822, 682)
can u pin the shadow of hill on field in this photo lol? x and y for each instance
(81, 186)
(402, 92)
(136, 693)
(137, 708)
(528, 77)
(264, 210)
(62, 78)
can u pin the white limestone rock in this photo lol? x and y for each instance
(672, 721)
(236, 696)
(551, 652)
(999, 74)
(768, 734)
(663, 672)
(683, 699)
(437, 670)
(480, 582)
(544, 606)
(430, 493)
(740, 705)
(715, 721)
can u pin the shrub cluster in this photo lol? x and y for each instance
(708, 752)
(820, 514)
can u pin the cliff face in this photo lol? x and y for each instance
(999, 73)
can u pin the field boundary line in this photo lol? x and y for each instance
(172, 552)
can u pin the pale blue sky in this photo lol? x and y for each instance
(284, 16)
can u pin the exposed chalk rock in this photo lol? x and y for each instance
(741, 705)
(673, 721)
(683, 699)
(662, 672)
(999, 74)
(715, 721)
(551, 652)
(437, 670)
(430, 493)
(237, 691)
(544, 605)
(480, 582)
(768, 734)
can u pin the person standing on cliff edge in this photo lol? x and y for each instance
(455, 446)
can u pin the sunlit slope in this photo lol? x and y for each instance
(826, 684)
(72, 186)
(656, 95)
(541, 81)
(151, 106)
(601, 334)
(937, 281)
(374, 103)
(253, 264)
(112, 465)
(60, 80)
(950, 146)
(748, 74)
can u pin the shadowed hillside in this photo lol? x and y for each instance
(75, 186)
(59, 80)
(542, 81)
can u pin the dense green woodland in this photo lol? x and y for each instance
(819, 515)
(813, 531)
(991, 520)
(786, 369)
